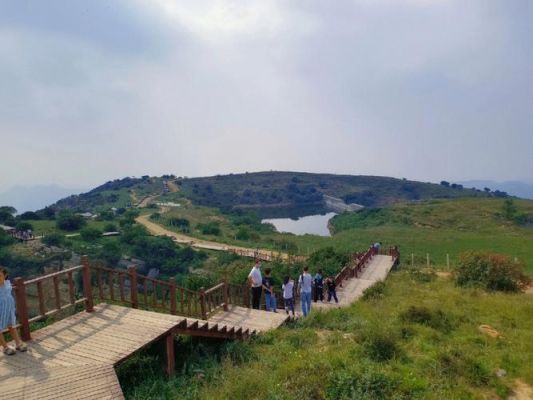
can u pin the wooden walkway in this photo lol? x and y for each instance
(74, 358)
(352, 289)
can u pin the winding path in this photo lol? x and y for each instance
(158, 230)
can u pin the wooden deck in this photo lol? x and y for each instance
(74, 358)
(352, 289)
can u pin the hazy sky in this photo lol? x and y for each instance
(423, 89)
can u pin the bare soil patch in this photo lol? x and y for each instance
(521, 391)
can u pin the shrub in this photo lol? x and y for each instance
(491, 271)
(380, 347)
(369, 385)
(242, 234)
(90, 234)
(53, 239)
(68, 221)
(374, 292)
(435, 319)
(211, 228)
(110, 228)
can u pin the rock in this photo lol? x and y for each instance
(500, 373)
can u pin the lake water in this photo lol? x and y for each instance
(312, 224)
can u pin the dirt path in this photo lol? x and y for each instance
(158, 230)
(172, 186)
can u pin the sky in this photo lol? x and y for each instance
(422, 89)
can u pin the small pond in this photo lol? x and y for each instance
(311, 224)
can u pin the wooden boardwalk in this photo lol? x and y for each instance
(74, 358)
(352, 289)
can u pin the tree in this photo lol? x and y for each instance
(110, 253)
(29, 215)
(445, 183)
(69, 221)
(7, 215)
(509, 209)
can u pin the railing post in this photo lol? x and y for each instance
(226, 300)
(246, 296)
(22, 309)
(202, 303)
(173, 307)
(133, 286)
(87, 290)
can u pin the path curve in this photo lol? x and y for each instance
(158, 230)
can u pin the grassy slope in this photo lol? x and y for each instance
(334, 355)
(440, 228)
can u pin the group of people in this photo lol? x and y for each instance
(306, 282)
(7, 316)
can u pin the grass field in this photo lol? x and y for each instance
(420, 339)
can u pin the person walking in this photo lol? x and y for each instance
(332, 289)
(268, 287)
(319, 286)
(7, 316)
(255, 280)
(305, 286)
(288, 295)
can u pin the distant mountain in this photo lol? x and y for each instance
(32, 198)
(513, 188)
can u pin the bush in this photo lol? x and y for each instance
(369, 385)
(182, 224)
(374, 292)
(68, 221)
(242, 234)
(53, 239)
(435, 319)
(211, 228)
(5, 239)
(23, 226)
(381, 347)
(491, 271)
(90, 234)
(110, 253)
(110, 228)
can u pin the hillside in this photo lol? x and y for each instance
(267, 192)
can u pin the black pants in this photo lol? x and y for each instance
(256, 297)
(319, 295)
(332, 293)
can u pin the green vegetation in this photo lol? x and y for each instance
(68, 221)
(417, 340)
(490, 271)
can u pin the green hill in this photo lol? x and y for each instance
(301, 192)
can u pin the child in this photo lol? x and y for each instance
(319, 285)
(288, 299)
(268, 287)
(7, 316)
(330, 283)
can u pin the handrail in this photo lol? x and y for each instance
(151, 293)
(58, 273)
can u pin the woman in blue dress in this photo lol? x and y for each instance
(7, 316)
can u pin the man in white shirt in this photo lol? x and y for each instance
(256, 282)
(305, 284)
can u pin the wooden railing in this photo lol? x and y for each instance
(84, 284)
